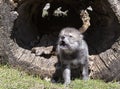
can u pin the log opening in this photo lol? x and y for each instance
(30, 27)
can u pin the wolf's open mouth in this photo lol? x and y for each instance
(63, 43)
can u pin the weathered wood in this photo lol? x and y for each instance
(115, 5)
(86, 21)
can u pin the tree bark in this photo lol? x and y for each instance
(115, 5)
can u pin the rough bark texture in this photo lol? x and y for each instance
(18, 37)
(115, 5)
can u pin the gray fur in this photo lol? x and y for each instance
(72, 51)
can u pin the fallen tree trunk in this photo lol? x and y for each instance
(19, 36)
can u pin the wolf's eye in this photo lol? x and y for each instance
(62, 37)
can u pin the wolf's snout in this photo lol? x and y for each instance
(63, 43)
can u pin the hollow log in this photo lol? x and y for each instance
(22, 27)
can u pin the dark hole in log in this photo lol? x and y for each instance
(30, 29)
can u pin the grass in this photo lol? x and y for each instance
(13, 79)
